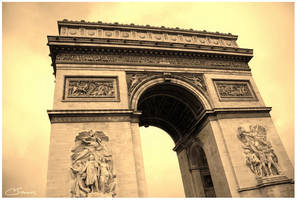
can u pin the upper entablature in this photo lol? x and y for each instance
(145, 33)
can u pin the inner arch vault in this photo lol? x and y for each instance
(169, 107)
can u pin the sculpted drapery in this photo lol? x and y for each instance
(259, 153)
(92, 166)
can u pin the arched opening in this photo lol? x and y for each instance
(161, 167)
(200, 172)
(169, 107)
(176, 110)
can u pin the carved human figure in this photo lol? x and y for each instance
(259, 153)
(263, 162)
(86, 145)
(198, 81)
(92, 165)
(104, 174)
(134, 80)
(79, 188)
(252, 161)
(82, 190)
(272, 162)
(113, 185)
(82, 88)
(79, 88)
(92, 170)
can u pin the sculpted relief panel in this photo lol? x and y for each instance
(259, 154)
(92, 166)
(134, 78)
(196, 79)
(234, 90)
(91, 88)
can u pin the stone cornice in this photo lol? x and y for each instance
(90, 111)
(86, 42)
(151, 45)
(132, 27)
(82, 51)
(80, 116)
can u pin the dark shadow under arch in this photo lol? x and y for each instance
(170, 107)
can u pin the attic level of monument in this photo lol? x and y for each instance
(114, 44)
(132, 26)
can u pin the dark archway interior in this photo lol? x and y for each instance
(169, 107)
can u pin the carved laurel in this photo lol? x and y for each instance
(92, 166)
(259, 154)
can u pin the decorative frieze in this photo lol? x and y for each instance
(149, 35)
(259, 154)
(91, 89)
(149, 60)
(92, 166)
(234, 90)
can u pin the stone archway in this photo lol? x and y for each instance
(113, 78)
(171, 107)
(202, 180)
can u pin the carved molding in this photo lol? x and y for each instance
(234, 90)
(92, 166)
(100, 58)
(82, 88)
(80, 116)
(259, 154)
(80, 119)
(145, 33)
(266, 181)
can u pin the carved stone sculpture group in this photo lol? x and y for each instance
(92, 166)
(260, 157)
(90, 88)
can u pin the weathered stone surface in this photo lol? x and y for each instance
(195, 85)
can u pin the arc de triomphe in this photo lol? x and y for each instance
(195, 85)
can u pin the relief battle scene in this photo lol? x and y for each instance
(90, 88)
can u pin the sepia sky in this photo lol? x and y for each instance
(28, 83)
